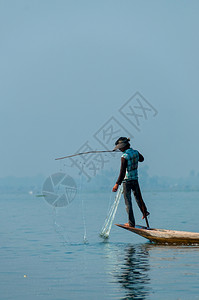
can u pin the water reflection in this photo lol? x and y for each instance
(130, 268)
(133, 276)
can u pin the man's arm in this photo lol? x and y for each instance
(122, 171)
(141, 158)
(122, 174)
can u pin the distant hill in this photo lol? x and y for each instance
(104, 181)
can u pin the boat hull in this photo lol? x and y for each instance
(164, 236)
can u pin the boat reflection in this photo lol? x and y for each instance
(133, 272)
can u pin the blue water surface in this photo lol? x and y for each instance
(51, 253)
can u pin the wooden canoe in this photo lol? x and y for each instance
(163, 236)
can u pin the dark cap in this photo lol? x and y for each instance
(121, 143)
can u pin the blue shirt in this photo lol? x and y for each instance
(132, 157)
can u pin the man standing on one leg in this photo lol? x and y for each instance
(129, 176)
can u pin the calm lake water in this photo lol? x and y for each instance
(57, 254)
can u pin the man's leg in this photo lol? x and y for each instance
(128, 203)
(139, 199)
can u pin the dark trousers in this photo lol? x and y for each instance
(134, 186)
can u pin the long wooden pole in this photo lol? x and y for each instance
(81, 153)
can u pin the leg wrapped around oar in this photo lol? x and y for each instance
(134, 186)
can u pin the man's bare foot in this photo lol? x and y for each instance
(127, 224)
(145, 215)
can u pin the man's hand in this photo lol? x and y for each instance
(115, 188)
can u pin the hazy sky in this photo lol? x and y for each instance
(67, 68)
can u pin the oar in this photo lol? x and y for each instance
(147, 223)
(143, 210)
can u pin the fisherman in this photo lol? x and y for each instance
(129, 176)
